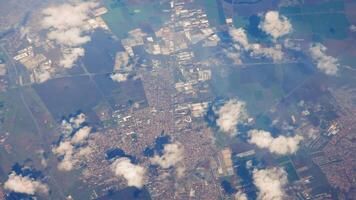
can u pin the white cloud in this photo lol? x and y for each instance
(63, 148)
(134, 174)
(26, 185)
(239, 35)
(279, 145)
(172, 155)
(119, 77)
(43, 76)
(121, 61)
(292, 44)
(78, 120)
(67, 147)
(270, 183)
(274, 53)
(240, 196)
(67, 16)
(234, 56)
(230, 115)
(70, 56)
(68, 27)
(256, 50)
(67, 163)
(327, 64)
(353, 28)
(275, 24)
(71, 37)
(81, 135)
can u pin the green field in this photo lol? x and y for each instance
(214, 11)
(325, 20)
(123, 17)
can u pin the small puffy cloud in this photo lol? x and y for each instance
(74, 133)
(270, 183)
(280, 145)
(353, 28)
(134, 174)
(172, 154)
(78, 120)
(234, 56)
(239, 36)
(230, 115)
(240, 196)
(256, 50)
(67, 16)
(43, 76)
(85, 151)
(274, 53)
(70, 56)
(65, 149)
(121, 60)
(25, 185)
(327, 64)
(71, 37)
(67, 26)
(81, 135)
(291, 44)
(119, 77)
(67, 163)
(75, 122)
(275, 24)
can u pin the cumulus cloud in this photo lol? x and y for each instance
(327, 64)
(239, 35)
(81, 135)
(134, 174)
(240, 196)
(68, 27)
(275, 24)
(119, 77)
(291, 44)
(70, 55)
(77, 120)
(280, 145)
(234, 56)
(71, 37)
(75, 133)
(230, 115)
(270, 183)
(274, 53)
(24, 184)
(65, 149)
(172, 154)
(256, 50)
(121, 61)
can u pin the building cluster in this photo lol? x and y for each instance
(38, 57)
(39, 66)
